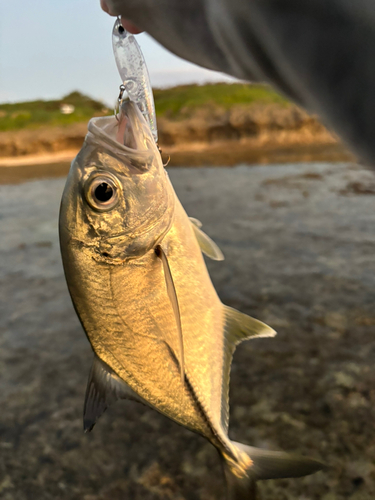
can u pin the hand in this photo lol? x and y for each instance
(128, 25)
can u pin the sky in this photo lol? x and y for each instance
(48, 48)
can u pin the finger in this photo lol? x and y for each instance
(129, 26)
(104, 6)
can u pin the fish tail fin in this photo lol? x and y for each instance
(253, 464)
(239, 487)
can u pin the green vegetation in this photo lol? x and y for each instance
(176, 103)
(35, 113)
(184, 99)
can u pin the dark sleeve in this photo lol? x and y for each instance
(319, 53)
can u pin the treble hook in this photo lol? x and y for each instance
(119, 101)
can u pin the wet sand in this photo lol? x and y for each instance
(299, 243)
(23, 173)
(221, 153)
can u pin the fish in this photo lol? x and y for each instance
(139, 283)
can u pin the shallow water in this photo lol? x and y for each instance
(299, 242)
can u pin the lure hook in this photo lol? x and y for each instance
(119, 100)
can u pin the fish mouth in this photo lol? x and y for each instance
(126, 134)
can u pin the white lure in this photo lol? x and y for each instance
(134, 74)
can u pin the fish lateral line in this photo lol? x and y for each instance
(224, 448)
(172, 295)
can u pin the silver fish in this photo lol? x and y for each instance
(135, 271)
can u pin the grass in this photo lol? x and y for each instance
(184, 99)
(176, 103)
(36, 113)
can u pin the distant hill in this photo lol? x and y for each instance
(179, 102)
(32, 114)
(176, 103)
(223, 124)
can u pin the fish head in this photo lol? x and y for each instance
(118, 202)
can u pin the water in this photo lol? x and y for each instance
(299, 242)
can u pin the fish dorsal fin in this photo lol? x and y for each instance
(171, 290)
(207, 246)
(104, 387)
(238, 327)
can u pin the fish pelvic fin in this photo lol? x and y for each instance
(254, 464)
(171, 290)
(207, 246)
(104, 387)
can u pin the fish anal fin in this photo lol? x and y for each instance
(104, 387)
(207, 246)
(172, 295)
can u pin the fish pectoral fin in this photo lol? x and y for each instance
(207, 246)
(240, 327)
(195, 222)
(172, 295)
(104, 387)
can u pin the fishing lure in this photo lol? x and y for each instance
(134, 74)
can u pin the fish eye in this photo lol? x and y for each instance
(101, 192)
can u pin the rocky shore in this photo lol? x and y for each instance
(208, 135)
